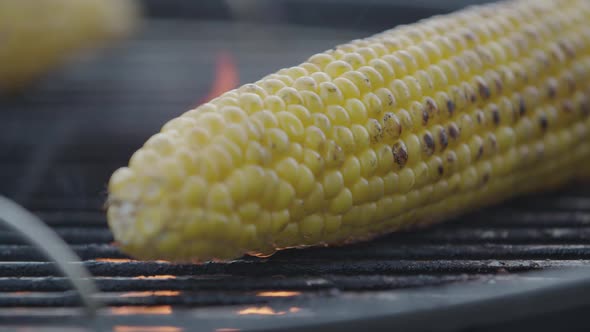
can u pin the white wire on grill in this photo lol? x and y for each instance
(39, 234)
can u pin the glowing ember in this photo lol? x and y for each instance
(114, 260)
(125, 328)
(151, 293)
(279, 294)
(260, 311)
(294, 309)
(156, 277)
(137, 310)
(226, 76)
(267, 311)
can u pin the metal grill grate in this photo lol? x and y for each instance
(487, 246)
(511, 238)
(82, 116)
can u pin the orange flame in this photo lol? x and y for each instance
(151, 293)
(126, 328)
(138, 310)
(279, 294)
(226, 76)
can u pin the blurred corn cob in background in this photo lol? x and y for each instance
(38, 35)
(406, 128)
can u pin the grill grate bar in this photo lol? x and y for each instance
(384, 250)
(67, 204)
(187, 283)
(454, 235)
(294, 268)
(70, 235)
(17, 252)
(514, 218)
(62, 299)
(549, 235)
(226, 283)
(70, 299)
(379, 250)
(562, 202)
(182, 292)
(74, 218)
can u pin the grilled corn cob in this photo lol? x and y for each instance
(405, 128)
(35, 36)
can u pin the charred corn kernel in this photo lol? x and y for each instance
(412, 126)
(41, 35)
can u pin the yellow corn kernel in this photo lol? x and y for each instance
(411, 127)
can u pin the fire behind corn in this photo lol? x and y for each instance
(38, 35)
(405, 128)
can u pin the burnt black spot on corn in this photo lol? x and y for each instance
(495, 114)
(521, 105)
(480, 117)
(392, 126)
(543, 122)
(431, 106)
(400, 154)
(498, 83)
(443, 138)
(450, 107)
(480, 151)
(483, 88)
(453, 131)
(470, 92)
(425, 117)
(251, 172)
(429, 146)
